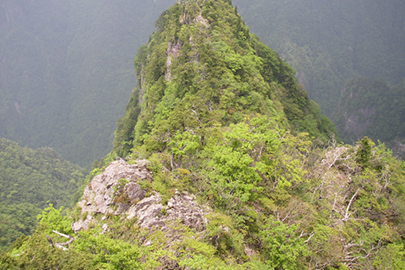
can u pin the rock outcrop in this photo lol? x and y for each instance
(116, 192)
(118, 181)
(151, 214)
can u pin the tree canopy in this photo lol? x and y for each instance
(29, 180)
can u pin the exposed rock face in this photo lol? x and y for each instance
(172, 49)
(102, 192)
(109, 193)
(398, 148)
(181, 207)
(357, 122)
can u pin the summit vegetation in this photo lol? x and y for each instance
(207, 70)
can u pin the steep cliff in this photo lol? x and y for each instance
(370, 107)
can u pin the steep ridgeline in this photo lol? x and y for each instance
(29, 181)
(369, 107)
(216, 172)
(203, 68)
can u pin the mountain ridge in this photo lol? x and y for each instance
(199, 56)
(221, 121)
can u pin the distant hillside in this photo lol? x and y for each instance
(29, 181)
(369, 107)
(66, 71)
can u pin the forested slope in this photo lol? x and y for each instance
(29, 181)
(226, 128)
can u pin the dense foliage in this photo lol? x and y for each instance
(278, 202)
(29, 180)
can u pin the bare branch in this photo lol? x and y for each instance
(347, 214)
(61, 234)
(309, 238)
(333, 207)
(196, 115)
(60, 245)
